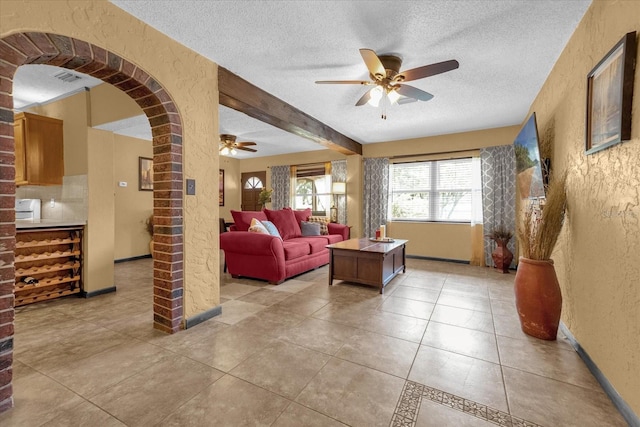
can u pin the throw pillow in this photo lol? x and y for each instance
(271, 228)
(310, 228)
(323, 221)
(242, 219)
(257, 227)
(302, 214)
(285, 221)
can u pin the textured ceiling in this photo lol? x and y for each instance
(505, 48)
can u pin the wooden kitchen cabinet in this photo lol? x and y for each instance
(48, 263)
(39, 150)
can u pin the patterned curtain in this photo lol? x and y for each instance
(339, 174)
(375, 195)
(498, 194)
(477, 230)
(281, 184)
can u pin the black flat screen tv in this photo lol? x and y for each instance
(529, 167)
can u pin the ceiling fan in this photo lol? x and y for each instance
(228, 145)
(385, 74)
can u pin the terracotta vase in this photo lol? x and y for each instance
(502, 256)
(538, 298)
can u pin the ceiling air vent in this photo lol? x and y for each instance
(67, 77)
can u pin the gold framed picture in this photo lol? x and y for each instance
(145, 174)
(609, 97)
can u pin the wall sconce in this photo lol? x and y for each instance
(337, 188)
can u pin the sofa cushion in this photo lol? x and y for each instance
(323, 221)
(334, 238)
(242, 219)
(285, 221)
(271, 228)
(257, 227)
(316, 243)
(310, 228)
(302, 215)
(295, 249)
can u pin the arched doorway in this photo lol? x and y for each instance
(66, 52)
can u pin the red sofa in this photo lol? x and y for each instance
(271, 258)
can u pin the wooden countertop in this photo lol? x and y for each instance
(22, 224)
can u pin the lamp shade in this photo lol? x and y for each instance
(339, 188)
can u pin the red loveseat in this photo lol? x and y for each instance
(271, 258)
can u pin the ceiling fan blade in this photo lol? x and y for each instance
(373, 63)
(413, 92)
(247, 149)
(428, 70)
(404, 100)
(364, 99)
(343, 82)
(244, 144)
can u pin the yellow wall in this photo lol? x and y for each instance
(232, 193)
(443, 143)
(132, 206)
(109, 104)
(190, 79)
(99, 237)
(598, 258)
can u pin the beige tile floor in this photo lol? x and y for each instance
(441, 347)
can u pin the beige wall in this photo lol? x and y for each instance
(232, 193)
(98, 269)
(132, 206)
(191, 81)
(443, 143)
(109, 104)
(598, 259)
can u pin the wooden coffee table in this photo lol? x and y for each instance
(366, 261)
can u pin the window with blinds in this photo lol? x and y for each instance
(431, 191)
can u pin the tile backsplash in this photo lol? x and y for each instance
(69, 199)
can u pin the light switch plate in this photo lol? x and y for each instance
(191, 187)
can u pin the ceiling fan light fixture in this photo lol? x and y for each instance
(375, 96)
(393, 96)
(224, 151)
(233, 152)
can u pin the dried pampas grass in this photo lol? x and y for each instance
(538, 235)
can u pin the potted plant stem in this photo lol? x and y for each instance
(538, 296)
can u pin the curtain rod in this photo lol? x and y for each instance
(408, 156)
(312, 163)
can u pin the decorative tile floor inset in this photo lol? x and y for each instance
(413, 393)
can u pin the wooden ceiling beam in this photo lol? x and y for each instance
(239, 94)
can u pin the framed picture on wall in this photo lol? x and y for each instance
(609, 97)
(221, 187)
(145, 174)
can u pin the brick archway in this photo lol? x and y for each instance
(52, 49)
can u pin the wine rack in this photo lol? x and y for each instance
(48, 263)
